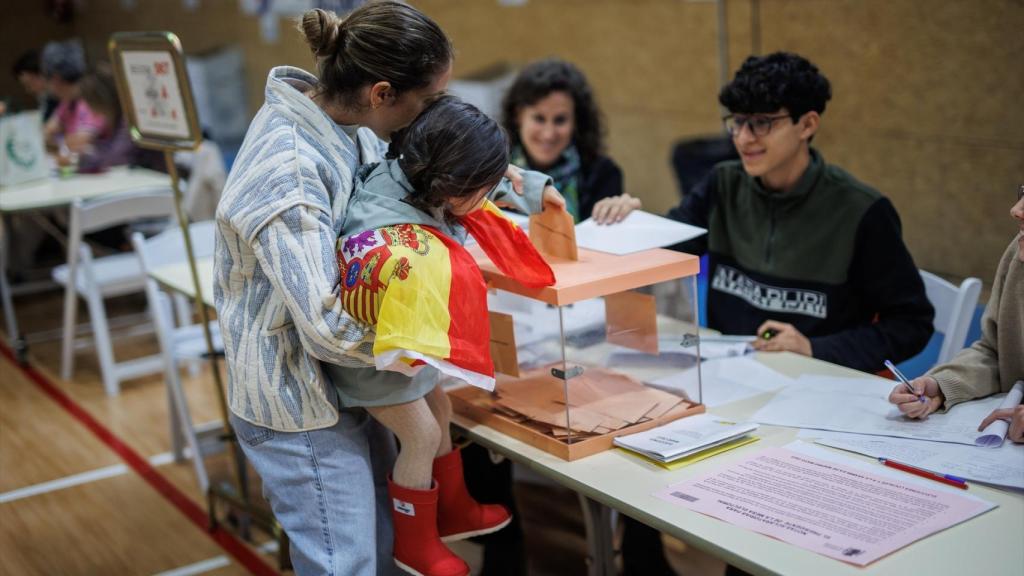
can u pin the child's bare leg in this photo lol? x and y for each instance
(442, 410)
(420, 436)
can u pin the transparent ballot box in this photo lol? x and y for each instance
(611, 349)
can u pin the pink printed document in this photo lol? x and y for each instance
(831, 504)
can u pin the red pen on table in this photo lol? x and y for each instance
(944, 478)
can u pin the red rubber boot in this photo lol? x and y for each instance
(459, 516)
(418, 549)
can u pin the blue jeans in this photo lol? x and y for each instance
(328, 489)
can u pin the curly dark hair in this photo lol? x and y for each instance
(543, 77)
(765, 84)
(451, 150)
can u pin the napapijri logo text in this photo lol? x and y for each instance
(789, 300)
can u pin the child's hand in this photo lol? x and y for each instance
(553, 198)
(515, 176)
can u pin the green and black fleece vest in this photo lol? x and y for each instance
(827, 256)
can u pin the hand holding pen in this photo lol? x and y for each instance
(915, 398)
(781, 337)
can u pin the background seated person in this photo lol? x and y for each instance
(555, 127)
(73, 124)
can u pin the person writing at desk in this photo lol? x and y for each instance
(993, 363)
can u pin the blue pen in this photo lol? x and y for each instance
(899, 375)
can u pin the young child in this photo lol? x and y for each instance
(404, 271)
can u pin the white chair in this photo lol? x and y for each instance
(183, 343)
(954, 308)
(98, 278)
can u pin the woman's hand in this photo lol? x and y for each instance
(786, 338)
(911, 404)
(614, 209)
(1015, 416)
(553, 198)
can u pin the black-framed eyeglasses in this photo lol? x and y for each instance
(759, 125)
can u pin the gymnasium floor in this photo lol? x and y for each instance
(88, 484)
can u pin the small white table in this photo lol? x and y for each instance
(178, 278)
(989, 544)
(50, 193)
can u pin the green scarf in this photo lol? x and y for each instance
(565, 172)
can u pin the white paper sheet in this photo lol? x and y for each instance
(826, 502)
(861, 405)
(638, 231)
(726, 380)
(1003, 466)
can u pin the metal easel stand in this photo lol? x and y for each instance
(234, 496)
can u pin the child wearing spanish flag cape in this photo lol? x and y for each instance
(404, 270)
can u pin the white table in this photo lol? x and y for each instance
(50, 193)
(178, 278)
(989, 545)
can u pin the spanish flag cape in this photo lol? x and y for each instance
(426, 296)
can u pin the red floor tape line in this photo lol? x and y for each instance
(239, 551)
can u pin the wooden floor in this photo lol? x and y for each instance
(70, 505)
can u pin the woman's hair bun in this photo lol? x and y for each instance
(321, 29)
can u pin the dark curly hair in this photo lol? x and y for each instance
(543, 77)
(765, 84)
(451, 150)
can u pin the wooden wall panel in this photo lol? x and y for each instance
(926, 109)
(653, 65)
(24, 25)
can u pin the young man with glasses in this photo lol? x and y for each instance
(799, 249)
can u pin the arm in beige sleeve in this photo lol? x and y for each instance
(974, 371)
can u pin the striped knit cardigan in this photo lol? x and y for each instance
(276, 282)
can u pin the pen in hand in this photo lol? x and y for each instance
(899, 376)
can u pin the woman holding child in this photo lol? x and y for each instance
(324, 464)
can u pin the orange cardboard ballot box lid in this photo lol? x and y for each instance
(594, 274)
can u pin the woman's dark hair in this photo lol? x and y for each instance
(65, 60)
(539, 79)
(451, 150)
(765, 84)
(379, 41)
(100, 92)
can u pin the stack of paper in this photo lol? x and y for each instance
(684, 437)
(599, 401)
